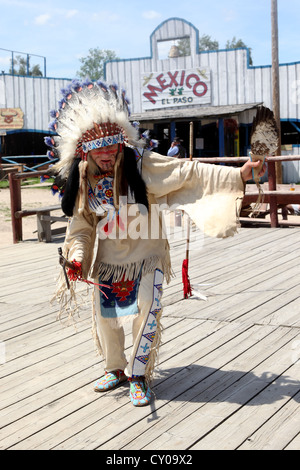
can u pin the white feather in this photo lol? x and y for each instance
(82, 110)
(196, 293)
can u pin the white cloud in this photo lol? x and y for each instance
(151, 14)
(229, 16)
(42, 19)
(71, 13)
(109, 16)
(5, 61)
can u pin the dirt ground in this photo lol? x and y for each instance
(32, 197)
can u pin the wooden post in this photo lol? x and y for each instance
(276, 83)
(44, 226)
(273, 199)
(191, 140)
(15, 205)
(191, 151)
(187, 290)
(221, 138)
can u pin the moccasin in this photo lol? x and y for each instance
(140, 394)
(109, 380)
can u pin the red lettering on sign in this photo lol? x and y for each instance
(189, 78)
(173, 79)
(162, 82)
(201, 84)
(178, 78)
(196, 85)
(152, 93)
(182, 78)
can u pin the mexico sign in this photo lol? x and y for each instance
(176, 88)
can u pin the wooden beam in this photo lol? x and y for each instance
(273, 200)
(275, 82)
(281, 198)
(15, 206)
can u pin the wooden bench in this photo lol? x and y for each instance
(45, 219)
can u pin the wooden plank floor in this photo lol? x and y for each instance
(228, 375)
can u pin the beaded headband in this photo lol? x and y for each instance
(101, 136)
(104, 142)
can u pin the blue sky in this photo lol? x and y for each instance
(63, 31)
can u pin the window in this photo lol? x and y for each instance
(174, 48)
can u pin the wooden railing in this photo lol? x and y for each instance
(272, 195)
(44, 218)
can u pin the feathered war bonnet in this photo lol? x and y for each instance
(91, 115)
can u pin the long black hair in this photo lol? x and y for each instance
(71, 189)
(132, 176)
(127, 176)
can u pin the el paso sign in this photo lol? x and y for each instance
(176, 88)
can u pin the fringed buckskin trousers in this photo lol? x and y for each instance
(146, 330)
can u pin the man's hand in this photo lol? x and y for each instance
(74, 273)
(246, 170)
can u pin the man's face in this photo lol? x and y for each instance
(105, 157)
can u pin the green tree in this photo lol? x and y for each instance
(206, 43)
(22, 67)
(93, 65)
(184, 47)
(236, 43)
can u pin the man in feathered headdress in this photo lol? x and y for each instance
(113, 188)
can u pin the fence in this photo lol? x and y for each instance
(17, 213)
(273, 195)
(12, 161)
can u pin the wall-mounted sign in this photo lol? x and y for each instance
(11, 118)
(176, 88)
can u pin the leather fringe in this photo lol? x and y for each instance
(154, 353)
(131, 271)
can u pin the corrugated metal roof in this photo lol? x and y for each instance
(189, 113)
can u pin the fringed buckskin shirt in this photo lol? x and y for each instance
(210, 194)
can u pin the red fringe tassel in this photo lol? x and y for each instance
(187, 290)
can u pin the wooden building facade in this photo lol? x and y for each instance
(35, 97)
(218, 90)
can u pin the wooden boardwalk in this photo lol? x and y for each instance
(229, 371)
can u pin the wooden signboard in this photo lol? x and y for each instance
(176, 88)
(11, 118)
